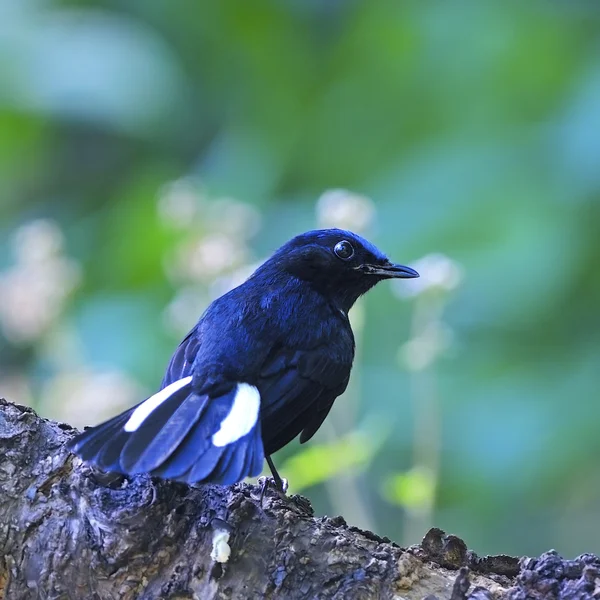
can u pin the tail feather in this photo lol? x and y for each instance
(172, 435)
(254, 460)
(182, 435)
(160, 435)
(204, 466)
(258, 459)
(196, 444)
(226, 466)
(109, 457)
(89, 443)
(183, 458)
(231, 466)
(249, 460)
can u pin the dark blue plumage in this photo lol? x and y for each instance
(263, 365)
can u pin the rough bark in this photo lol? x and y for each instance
(67, 532)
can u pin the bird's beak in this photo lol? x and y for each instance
(390, 271)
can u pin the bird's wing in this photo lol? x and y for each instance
(182, 433)
(298, 388)
(181, 362)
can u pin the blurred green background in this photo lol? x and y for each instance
(151, 153)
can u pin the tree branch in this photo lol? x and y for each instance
(67, 532)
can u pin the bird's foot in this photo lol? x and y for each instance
(280, 485)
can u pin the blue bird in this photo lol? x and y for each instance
(264, 364)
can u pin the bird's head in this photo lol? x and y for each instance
(339, 264)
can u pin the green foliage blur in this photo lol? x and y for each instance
(151, 153)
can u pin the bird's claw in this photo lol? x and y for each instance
(280, 486)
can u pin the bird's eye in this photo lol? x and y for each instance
(343, 250)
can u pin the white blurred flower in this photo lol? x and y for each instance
(180, 201)
(421, 351)
(227, 282)
(16, 388)
(185, 309)
(234, 218)
(344, 209)
(437, 272)
(215, 259)
(37, 241)
(88, 398)
(33, 292)
(213, 255)
(208, 257)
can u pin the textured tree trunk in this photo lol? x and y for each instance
(67, 532)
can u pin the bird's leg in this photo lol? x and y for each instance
(280, 483)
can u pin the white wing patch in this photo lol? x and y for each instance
(241, 418)
(141, 413)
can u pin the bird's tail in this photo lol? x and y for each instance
(182, 435)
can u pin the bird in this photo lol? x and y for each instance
(262, 366)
